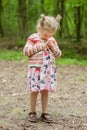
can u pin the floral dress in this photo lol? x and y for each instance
(42, 78)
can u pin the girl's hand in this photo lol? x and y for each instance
(44, 46)
(59, 53)
(50, 45)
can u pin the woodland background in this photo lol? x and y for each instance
(18, 19)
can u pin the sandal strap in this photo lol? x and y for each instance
(46, 117)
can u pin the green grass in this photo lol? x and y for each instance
(66, 59)
(11, 55)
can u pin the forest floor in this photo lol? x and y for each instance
(68, 105)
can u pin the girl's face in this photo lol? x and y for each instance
(45, 34)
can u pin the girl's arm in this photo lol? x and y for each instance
(31, 49)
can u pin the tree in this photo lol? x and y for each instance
(77, 5)
(1, 29)
(59, 8)
(62, 8)
(77, 20)
(42, 6)
(85, 19)
(22, 18)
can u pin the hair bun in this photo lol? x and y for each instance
(42, 17)
(58, 18)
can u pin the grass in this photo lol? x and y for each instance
(11, 55)
(68, 57)
(68, 61)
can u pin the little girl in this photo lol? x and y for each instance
(41, 49)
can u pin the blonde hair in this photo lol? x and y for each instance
(49, 23)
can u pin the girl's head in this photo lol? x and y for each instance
(48, 25)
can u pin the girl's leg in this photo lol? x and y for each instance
(45, 116)
(44, 100)
(33, 100)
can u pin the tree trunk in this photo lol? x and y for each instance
(85, 19)
(62, 14)
(42, 6)
(56, 7)
(78, 22)
(1, 29)
(22, 18)
(59, 8)
(31, 15)
(66, 26)
(30, 2)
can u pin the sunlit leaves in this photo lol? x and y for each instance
(75, 3)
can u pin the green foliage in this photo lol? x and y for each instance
(9, 17)
(49, 7)
(75, 3)
(33, 13)
(20, 42)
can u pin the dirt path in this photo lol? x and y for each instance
(68, 105)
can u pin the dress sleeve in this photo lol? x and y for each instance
(32, 46)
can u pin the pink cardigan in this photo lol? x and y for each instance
(33, 49)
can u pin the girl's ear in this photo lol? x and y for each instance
(42, 17)
(58, 18)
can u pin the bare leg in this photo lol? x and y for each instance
(45, 116)
(44, 100)
(33, 100)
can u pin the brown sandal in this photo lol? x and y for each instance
(46, 118)
(33, 117)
